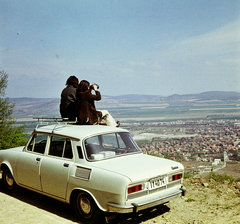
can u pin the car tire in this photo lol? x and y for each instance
(8, 181)
(86, 209)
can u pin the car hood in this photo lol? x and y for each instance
(139, 167)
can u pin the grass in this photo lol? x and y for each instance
(221, 177)
(190, 200)
(188, 175)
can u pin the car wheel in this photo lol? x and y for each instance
(86, 208)
(8, 181)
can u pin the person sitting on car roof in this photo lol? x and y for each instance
(87, 113)
(68, 107)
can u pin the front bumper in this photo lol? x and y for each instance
(138, 207)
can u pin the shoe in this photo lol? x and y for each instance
(118, 124)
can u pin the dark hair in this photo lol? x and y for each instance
(72, 80)
(83, 86)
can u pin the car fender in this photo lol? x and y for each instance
(76, 189)
(96, 187)
(8, 159)
(7, 165)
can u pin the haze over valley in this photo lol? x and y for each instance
(142, 107)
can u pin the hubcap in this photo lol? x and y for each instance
(9, 179)
(85, 205)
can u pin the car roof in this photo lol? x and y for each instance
(77, 131)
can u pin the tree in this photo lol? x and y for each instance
(10, 134)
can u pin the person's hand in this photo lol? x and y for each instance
(95, 87)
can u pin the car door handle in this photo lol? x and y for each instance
(65, 164)
(38, 159)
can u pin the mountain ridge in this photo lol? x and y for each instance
(209, 95)
(131, 103)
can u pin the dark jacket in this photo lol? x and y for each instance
(87, 113)
(68, 108)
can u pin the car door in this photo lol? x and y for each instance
(29, 161)
(55, 167)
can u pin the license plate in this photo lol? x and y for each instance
(157, 182)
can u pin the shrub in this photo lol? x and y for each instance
(190, 200)
(221, 177)
(187, 175)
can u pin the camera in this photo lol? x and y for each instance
(91, 87)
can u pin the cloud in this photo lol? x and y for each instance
(125, 56)
(221, 41)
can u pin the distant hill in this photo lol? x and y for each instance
(213, 95)
(25, 107)
(31, 107)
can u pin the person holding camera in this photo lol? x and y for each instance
(87, 113)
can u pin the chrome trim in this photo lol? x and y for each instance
(137, 207)
(174, 183)
(174, 167)
(137, 194)
(183, 189)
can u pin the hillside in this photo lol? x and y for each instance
(125, 105)
(206, 96)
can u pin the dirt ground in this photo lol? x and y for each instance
(205, 202)
(232, 168)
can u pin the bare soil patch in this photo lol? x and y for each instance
(231, 169)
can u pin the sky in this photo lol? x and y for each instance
(153, 47)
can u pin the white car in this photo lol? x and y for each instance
(98, 169)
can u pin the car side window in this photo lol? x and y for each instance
(60, 147)
(68, 150)
(80, 153)
(31, 144)
(38, 143)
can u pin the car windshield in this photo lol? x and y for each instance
(110, 145)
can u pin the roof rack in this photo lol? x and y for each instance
(48, 120)
(56, 120)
